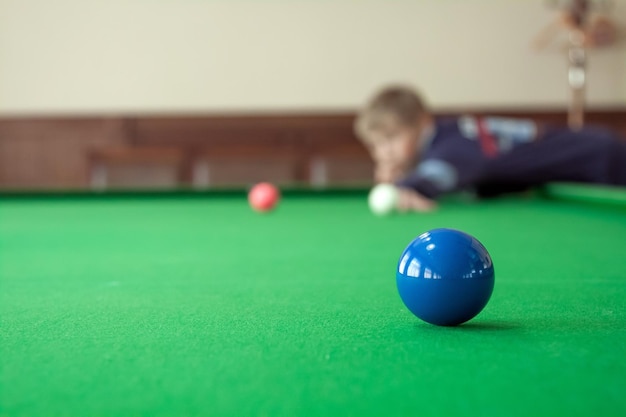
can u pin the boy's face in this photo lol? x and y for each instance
(393, 150)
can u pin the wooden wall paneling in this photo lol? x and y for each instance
(318, 149)
(125, 166)
(51, 153)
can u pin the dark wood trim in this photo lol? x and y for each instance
(59, 151)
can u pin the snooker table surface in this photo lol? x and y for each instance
(184, 304)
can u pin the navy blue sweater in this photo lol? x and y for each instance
(493, 155)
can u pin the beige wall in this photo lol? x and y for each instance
(91, 56)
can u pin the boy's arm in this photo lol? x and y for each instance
(432, 178)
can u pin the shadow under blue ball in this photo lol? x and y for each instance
(445, 277)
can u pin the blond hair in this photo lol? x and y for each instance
(391, 107)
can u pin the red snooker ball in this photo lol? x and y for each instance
(263, 197)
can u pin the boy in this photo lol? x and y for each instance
(427, 157)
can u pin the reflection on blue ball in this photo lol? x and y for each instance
(445, 277)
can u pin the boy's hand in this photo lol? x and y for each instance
(410, 200)
(387, 172)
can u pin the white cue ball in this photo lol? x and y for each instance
(383, 199)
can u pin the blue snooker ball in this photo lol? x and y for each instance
(445, 277)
